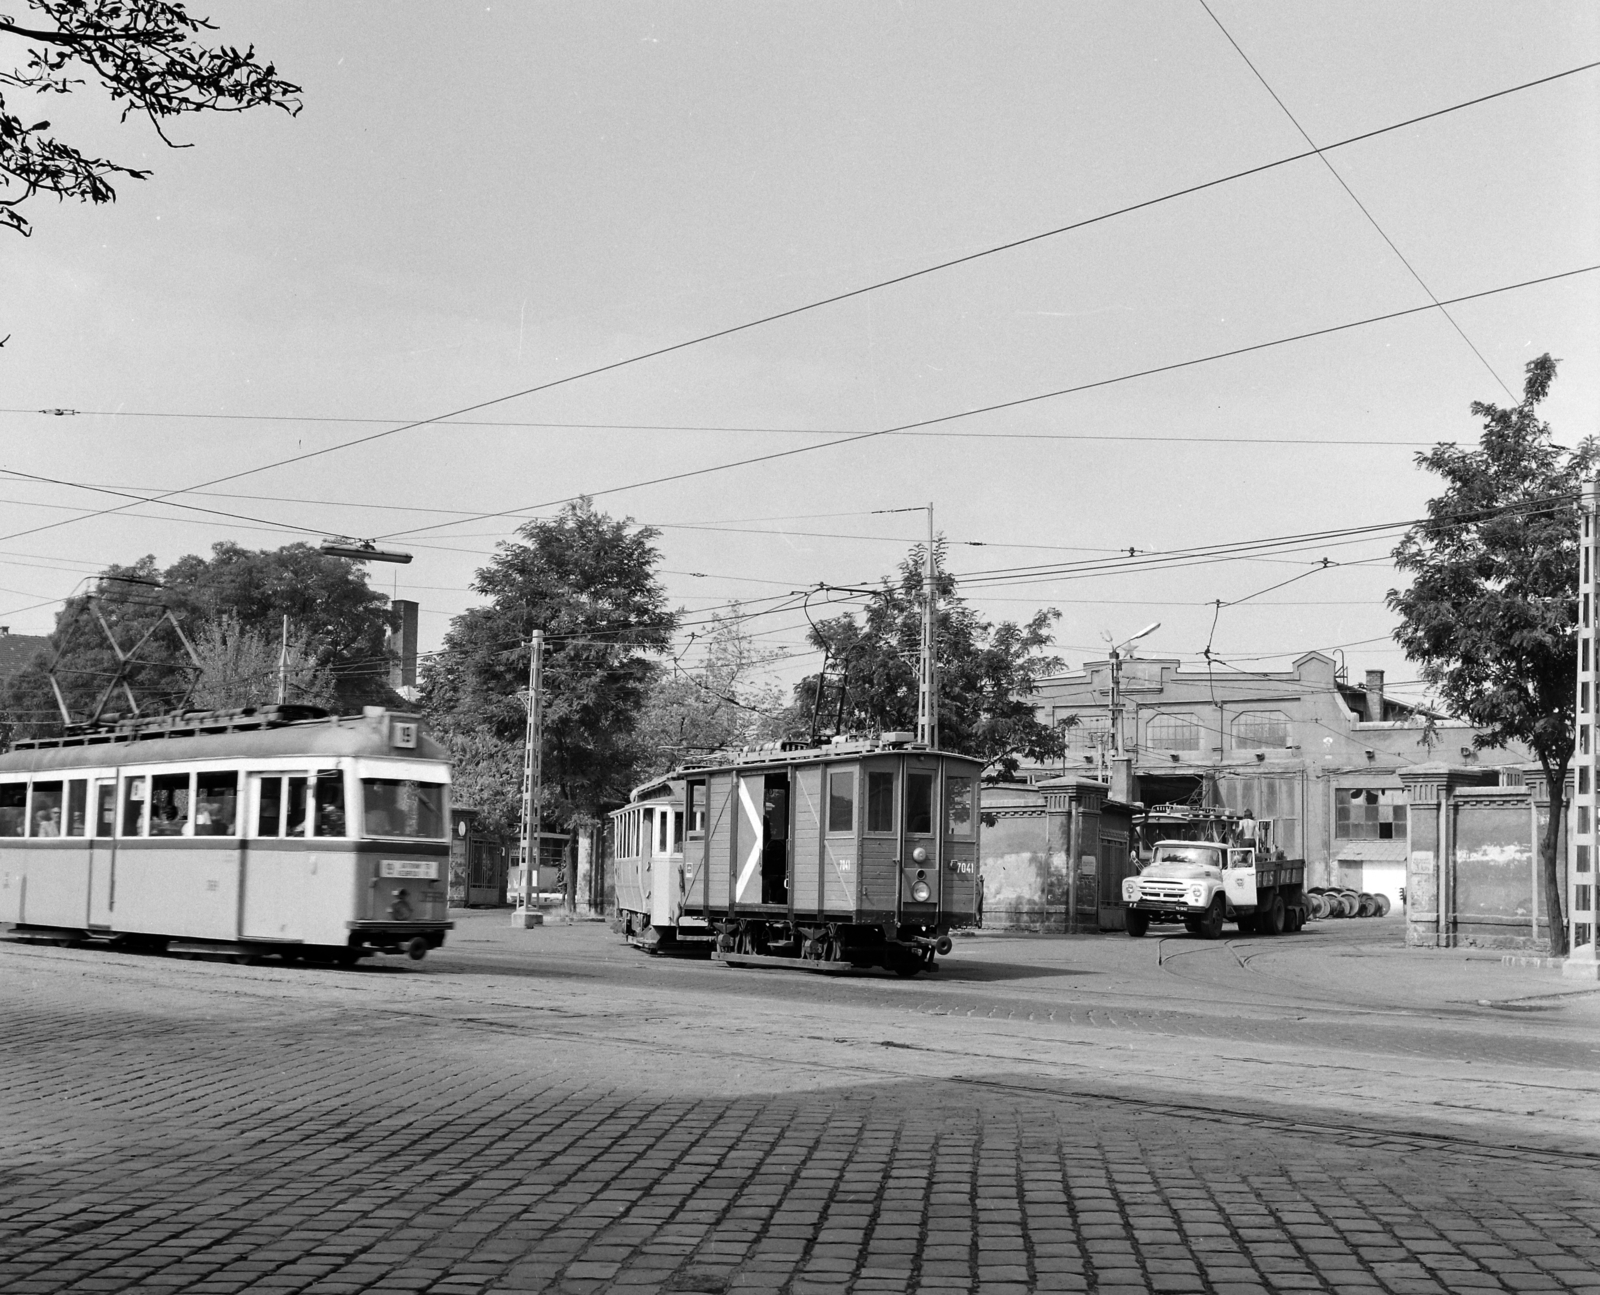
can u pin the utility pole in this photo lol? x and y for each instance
(283, 663)
(1116, 686)
(928, 692)
(532, 768)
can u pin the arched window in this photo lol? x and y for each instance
(1173, 731)
(1253, 728)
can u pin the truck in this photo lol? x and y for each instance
(1214, 868)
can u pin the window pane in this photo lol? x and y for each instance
(880, 802)
(842, 801)
(958, 805)
(169, 804)
(919, 804)
(330, 803)
(269, 813)
(1174, 732)
(677, 831)
(78, 807)
(400, 807)
(216, 809)
(13, 807)
(105, 810)
(297, 808)
(46, 809)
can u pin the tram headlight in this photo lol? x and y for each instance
(921, 892)
(919, 855)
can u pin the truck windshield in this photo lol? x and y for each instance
(1196, 854)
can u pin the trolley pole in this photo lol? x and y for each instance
(532, 767)
(928, 692)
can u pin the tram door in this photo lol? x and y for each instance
(919, 850)
(103, 853)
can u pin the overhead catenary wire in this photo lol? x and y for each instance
(879, 285)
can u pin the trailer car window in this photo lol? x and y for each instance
(842, 801)
(105, 813)
(13, 807)
(330, 803)
(880, 802)
(216, 803)
(958, 806)
(269, 807)
(296, 824)
(78, 807)
(400, 807)
(169, 804)
(919, 804)
(45, 818)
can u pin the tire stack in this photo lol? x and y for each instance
(1340, 901)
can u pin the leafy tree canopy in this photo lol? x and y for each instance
(587, 580)
(987, 672)
(1490, 616)
(146, 55)
(719, 704)
(231, 606)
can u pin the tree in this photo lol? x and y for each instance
(720, 704)
(987, 672)
(340, 622)
(146, 56)
(588, 581)
(1491, 613)
(241, 665)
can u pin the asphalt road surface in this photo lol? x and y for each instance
(549, 1110)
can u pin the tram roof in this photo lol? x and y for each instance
(174, 741)
(780, 754)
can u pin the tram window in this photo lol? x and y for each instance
(216, 803)
(842, 800)
(663, 827)
(330, 802)
(13, 808)
(45, 817)
(78, 807)
(169, 804)
(694, 796)
(880, 802)
(401, 807)
(677, 831)
(269, 807)
(133, 802)
(105, 808)
(295, 824)
(919, 804)
(958, 806)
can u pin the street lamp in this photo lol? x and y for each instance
(1116, 685)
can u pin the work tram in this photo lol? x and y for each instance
(858, 854)
(273, 830)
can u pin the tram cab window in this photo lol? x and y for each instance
(294, 821)
(105, 813)
(77, 823)
(330, 803)
(402, 807)
(880, 802)
(919, 804)
(663, 826)
(677, 831)
(133, 802)
(958, 806)
(44, 819)
(842, 800)
(216, 803)
(13, 808)
(169, 804)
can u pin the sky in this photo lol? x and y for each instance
(476, 200)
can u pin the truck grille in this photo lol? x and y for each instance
(1162, 892)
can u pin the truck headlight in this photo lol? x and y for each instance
(1130, 889)
(1197, 895)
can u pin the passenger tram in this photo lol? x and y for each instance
(857, 854)
(273, 830)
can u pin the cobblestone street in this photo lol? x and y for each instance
(547, 1110)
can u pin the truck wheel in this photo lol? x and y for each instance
(1269, 916)
(1138, 923)
(1211, 924)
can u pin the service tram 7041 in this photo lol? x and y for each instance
(279, 830)
(853, 855)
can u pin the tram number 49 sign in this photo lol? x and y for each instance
(413, 869)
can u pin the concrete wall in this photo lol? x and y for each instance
(1472, 858)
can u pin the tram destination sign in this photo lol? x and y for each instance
(411, 869)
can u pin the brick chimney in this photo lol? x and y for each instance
(1374, 696)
